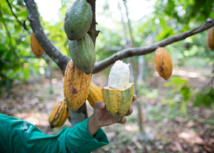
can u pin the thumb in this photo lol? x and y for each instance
(99, 105)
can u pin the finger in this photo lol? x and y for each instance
(123, 121)
(134, 98)
(99, 105)
(130, 111)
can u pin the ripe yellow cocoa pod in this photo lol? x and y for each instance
(95, 94)
(35, 46)
(58, 114)
(163, 63)
(118, 94)
(76, 86)
(210, 38)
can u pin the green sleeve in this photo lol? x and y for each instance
(20, 136)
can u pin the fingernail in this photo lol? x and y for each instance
(102, 105)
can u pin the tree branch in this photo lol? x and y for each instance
(92, 31)
(60, 59)
(146, 50)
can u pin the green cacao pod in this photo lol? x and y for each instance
(78, 19)
(82, 52)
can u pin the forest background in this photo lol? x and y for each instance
(185, 103)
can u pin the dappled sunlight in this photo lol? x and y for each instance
(38, 119)
(185, 73)
(131, 128)
(191, 137)
(54, 81)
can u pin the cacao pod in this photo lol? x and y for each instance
(35, 46)
(95, 94)
(118, 101)
(163, 63)
(78, 19)
(82, 52)
(210, 38)
(58, 114)
(76, 86)
(118, 94)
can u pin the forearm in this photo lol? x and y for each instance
(92, 125)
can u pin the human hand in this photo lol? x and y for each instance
(101, 117)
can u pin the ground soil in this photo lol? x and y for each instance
(166, 130)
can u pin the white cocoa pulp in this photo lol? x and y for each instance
(119, 75)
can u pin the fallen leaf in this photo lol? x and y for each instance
(208, 148)
(191, 138)
(180, 119)
(211, 140)
(178, 146)
(196, 149)
(190, 124)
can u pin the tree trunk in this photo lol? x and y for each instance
(134, 75)
(81, 114)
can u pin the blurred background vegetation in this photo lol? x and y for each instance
(191, 84)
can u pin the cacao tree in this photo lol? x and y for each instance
(167, 12)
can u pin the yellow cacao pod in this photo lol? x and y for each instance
(35, 46)
(58, 114)
(118, 101)
(95, 94)
(76, 86)
(163, 63)
(210, 38)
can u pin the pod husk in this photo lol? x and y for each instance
(76, 86)
(95, 94)
(163, 63)
(118, 101)
(58, 114)
(37, 49)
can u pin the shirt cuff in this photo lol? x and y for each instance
(82, 141)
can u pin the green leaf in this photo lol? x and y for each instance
(198, 100)
(183, 107)
(185, 91)
(5, 19)
(207, 101)
(23, 13)
(176, 81)
(167, 101)
(26, 73)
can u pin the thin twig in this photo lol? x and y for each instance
(15, 15)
